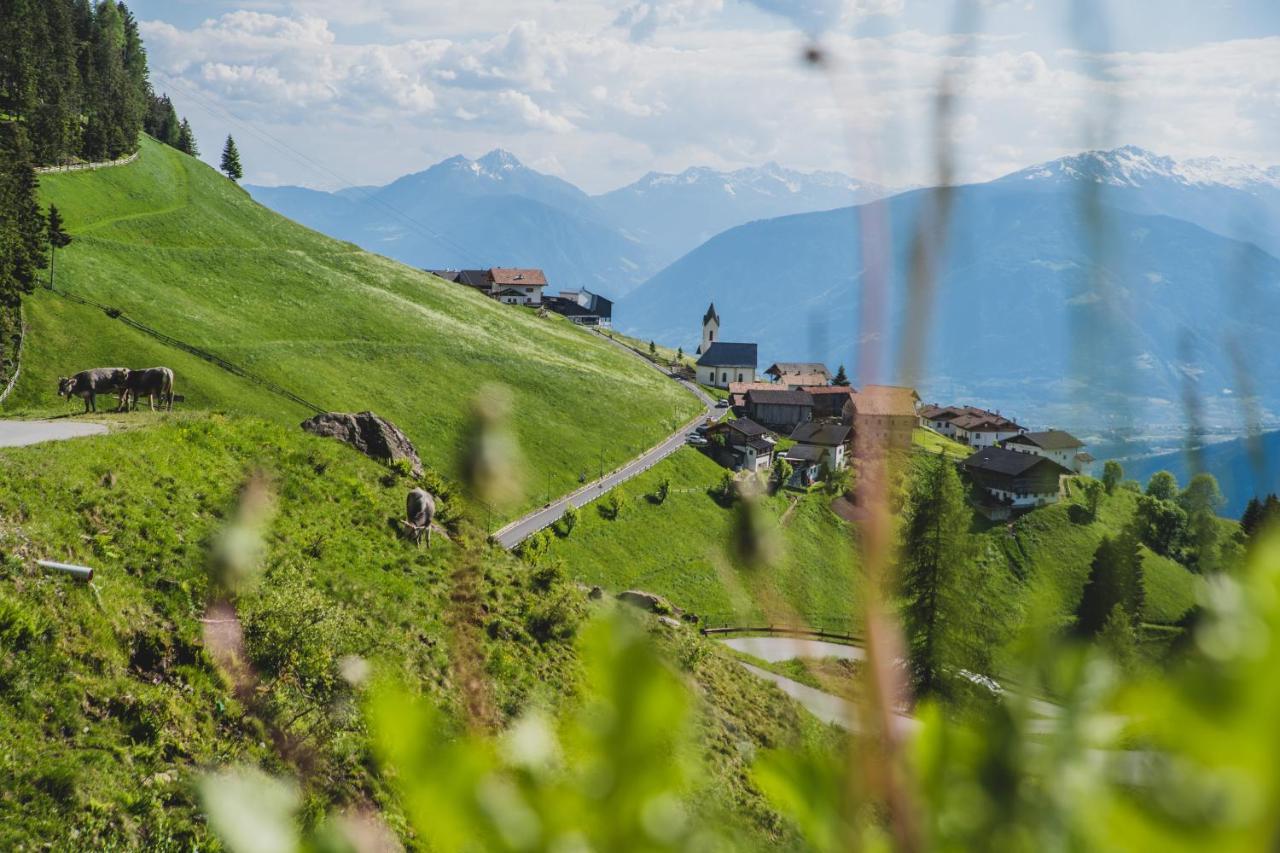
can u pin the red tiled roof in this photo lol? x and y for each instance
(506, 276)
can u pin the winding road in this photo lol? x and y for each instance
(522, 528)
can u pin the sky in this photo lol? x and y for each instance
(333, 93)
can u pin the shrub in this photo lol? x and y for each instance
(613, 505)
(568, 521)
(554, 618)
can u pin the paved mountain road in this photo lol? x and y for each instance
(522, 528)
(20, 433)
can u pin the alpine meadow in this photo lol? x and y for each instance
(620, 426)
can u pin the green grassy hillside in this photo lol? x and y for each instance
(681, 549)
(110, 705)
(179, 248)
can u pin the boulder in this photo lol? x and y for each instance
(373, 436)
(646, 601)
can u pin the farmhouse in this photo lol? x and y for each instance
(506, 284)
(829, 400)
(796, 374)
(746, 443)
(582, 307)
(720, 362)
(883, 417)
(1062, 447)
(828, 442)
(1014, 480)
(969, 424)
(781, 408)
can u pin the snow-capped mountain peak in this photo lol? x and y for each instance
(1131, 166)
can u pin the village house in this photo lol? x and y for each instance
(829, 442)
(738, 393)
(969, 425)
(829, 400)
(780, 408)
(720, 362)
(883, 417)
(806, 464)
(1014, 480)
(582, 307)
(797, 374)
(746, 444)
(1062, 447)
(506, 284)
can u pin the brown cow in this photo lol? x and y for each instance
(153, 382)
(90, 383)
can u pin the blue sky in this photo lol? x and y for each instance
(330, 92)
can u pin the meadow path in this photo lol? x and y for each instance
(524, 527)
(20, 433)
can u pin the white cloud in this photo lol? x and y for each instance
(611, 90)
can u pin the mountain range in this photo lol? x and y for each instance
(1087, 292)
(495, 211)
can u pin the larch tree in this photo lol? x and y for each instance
(231, 160)
(58, 237)
(940, 584)
(187, 139)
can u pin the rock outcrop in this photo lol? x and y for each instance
(373, 436)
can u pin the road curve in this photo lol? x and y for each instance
(522, 528)
(20, 433)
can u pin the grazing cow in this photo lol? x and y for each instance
(90, 383)
(153, 382)
(420, 509)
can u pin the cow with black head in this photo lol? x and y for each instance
(152, 382)
(88, 384)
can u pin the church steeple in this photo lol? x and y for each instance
(710, 328)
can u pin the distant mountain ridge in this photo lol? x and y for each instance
(495, 210)
(1032, 312)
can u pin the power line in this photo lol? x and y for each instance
(289, 151)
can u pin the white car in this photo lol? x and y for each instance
(722, 404)
(696, 440)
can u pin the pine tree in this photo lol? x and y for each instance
(187, 139)
(1115, 579)
(58, 237)
(842, 378)
(22, 225)
(939, 583)
(231, 160)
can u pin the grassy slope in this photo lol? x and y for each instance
(680, 550)
(109, 703)
(933, 442)
(181, 249)
(1054, 545)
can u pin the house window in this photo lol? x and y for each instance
(528, 290)
(724, 377)
(739, 377)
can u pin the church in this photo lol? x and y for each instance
(721, 362)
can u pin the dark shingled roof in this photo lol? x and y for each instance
(711, 314)
(1008, 462)
(1053, 439)
(779, 397)
(785, 367)
(828, 435)
(759, 445)
(722, 354)
(747, 427)
(805, 453)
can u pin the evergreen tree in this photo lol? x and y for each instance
(231, 160)
(162, 120)
(58, 237)
(939, 583)
(653, 348)
(187, 139)
(22, 225)
(1119, 638)
(1252, 517)
(679, 353)
(842, 378)
(1112, 474)
(1093, 491)
(1115, 580)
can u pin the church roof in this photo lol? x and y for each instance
(711, 315)
(722, 354)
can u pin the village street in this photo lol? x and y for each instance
(522, 528)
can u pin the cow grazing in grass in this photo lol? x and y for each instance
(420, 510)
(151, 383)
(90, 383)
